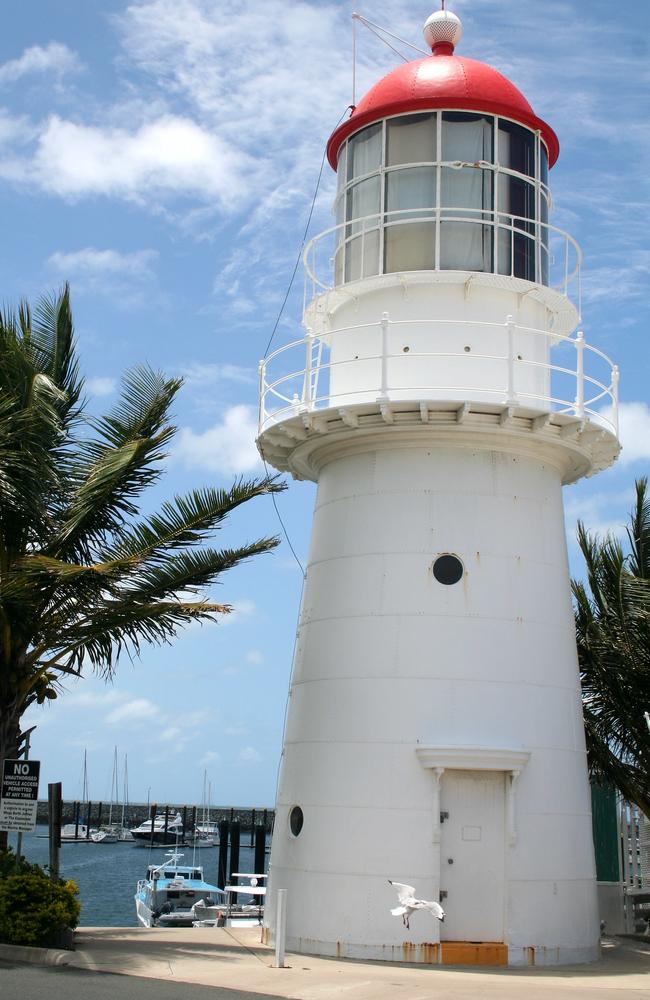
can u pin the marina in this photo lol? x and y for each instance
(107, 876)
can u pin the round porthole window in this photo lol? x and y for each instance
(448, 569)
(296, 819)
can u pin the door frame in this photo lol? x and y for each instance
(439, 759)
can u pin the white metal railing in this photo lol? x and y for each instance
(511, 246)
(580, 381)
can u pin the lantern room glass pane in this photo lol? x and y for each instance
(466, 194)
(364, 151)
(410, 139)
(411, 188)
(409, 247)
(341, 175)
(543, 166)
(516, 148)
(362, 256)
(516, 235)
(468, 138)
(362, 201)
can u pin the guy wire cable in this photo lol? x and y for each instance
(276, 324)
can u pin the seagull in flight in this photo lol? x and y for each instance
(408, 904)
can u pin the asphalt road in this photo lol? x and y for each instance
(35, 982)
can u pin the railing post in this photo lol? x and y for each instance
(580, 375)
(280, 927)
(306, 389)
(510, 389)
(261, 415)
(384, 355)
(615, 377)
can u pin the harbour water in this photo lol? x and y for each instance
(107, 873)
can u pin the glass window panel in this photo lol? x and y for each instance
(411, 139)
(466, 188)
(465, 246)
(543, 167)
(362, 201)
(364, 151)
(362, 256)
(466, 193)
(504, 249)
(409, 247)
(411, 188)
(340, 209)
(341, 174)
(516, 148)
(516, 196)
(468, 138)
(516, 250)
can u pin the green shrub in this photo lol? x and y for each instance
(34, 910)
(11, 865)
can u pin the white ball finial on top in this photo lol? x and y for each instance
(442, 29)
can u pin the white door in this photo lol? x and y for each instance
(472, 855)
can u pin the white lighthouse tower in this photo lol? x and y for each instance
(441, 399)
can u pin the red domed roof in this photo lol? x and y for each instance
(443, 80)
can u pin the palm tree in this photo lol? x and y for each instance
(612, 613)
(83, 577)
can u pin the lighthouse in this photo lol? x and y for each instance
(441, 397)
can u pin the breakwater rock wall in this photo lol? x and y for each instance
(136, 813)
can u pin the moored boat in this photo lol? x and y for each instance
(163, 830)
(176, 895)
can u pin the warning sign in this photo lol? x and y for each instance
(19, 795)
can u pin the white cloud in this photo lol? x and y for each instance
(213, 374)
(124, 277)
(227, 447)
(254, 656)
(249, 755)
(236, 731)
(210, 757)
(634, 431)
(52, 58)
(101, 385)
(92, 262)
(133, 711)
(601, 513)
(172, 154)
(110, 696)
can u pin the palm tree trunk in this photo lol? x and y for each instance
(10, 741)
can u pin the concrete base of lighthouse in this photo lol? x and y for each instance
(434, 734)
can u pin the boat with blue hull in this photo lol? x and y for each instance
(176, 895)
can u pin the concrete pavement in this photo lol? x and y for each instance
(234, 960)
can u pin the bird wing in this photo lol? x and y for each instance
(435, 909)
(404, 892)
(399, 911)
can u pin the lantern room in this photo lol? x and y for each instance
(443, 165)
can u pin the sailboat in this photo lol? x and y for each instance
(114, 833)
(78, 832)
(124, 833)
(206, 833)
(107, 834)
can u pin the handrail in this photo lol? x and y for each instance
(285, 394)
(566, 268)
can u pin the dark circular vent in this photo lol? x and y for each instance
(448, 569)
(296, 819)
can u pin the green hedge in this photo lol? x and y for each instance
(34, 910)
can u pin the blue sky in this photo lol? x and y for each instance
(162, 155)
